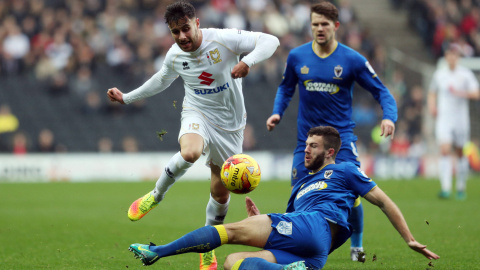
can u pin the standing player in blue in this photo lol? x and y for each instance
(325, 72)
(316, 222)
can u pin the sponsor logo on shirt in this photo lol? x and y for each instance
(212, 90)
(185, 65)
(316, 186)
(205, 77)
(321, 87)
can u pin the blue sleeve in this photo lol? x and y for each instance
(357, 180)
(369, 80)
(287, 87)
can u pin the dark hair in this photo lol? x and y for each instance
(326, 9)
(179, 10)
(331, 137)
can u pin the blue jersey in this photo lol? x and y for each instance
(331, 191)
(326, 89)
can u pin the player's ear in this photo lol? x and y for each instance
(330, 153)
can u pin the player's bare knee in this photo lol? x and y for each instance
(231, 260)
(190, 156)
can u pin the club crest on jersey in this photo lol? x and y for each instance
(185, 65)
(194, 126)
(304, 70)
(315, 186)
(327, 174)
(215, 54)
(294, 172)
(338, 72)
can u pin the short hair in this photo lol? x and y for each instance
(179, 10)
(330, 135)
(326, 9)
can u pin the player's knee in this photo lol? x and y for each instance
(231, 260)
(190, 155)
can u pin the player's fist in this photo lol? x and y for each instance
(240, 70)
(272, 121)
(115, 95)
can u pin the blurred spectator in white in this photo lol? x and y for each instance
(234, 19)
(15, 47)
(59, 51)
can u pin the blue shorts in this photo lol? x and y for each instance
(300, 236)
(348, 152)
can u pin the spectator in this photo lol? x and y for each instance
(45, 141)
(8, 121)
(105, 145)
(19, 144)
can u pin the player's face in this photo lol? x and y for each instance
(314, 153)
(451, 57)
(186, 33)
(323, 29)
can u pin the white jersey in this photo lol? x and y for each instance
(451, 108)
(209, 87)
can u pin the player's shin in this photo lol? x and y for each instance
(216, 211)
(201, 240)
(176, 168)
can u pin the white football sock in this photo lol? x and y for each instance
(445, 173)
(176, 167)
(462, 173)
(216, 211)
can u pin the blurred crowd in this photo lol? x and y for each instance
(64, 44)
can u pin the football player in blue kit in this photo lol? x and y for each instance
(316, 222)
(325, 72)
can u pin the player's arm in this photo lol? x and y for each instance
(369, 80)
(156, 84)
(432, 103)
(377, 197)
(261, 47)
(285, 92)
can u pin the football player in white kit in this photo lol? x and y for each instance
(213, 116)
(450, 91)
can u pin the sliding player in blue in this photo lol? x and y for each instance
(316, 222)
(325, 72)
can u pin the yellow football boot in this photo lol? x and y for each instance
(141, 207)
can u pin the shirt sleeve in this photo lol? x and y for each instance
(156, 84)
(260, 45)
(287, 87)
(357, 180)
(370, 81)
(472, 82)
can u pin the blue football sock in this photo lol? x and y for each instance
(201, 240)
(356, 219)
(259, 264)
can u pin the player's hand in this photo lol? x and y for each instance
(240, 70)
(272, 121)
(387, 127)
(422, 249)
(115, 95)
(252, 209)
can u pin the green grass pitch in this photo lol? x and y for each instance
(85, 225)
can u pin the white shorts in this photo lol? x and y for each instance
(218, 145)
(456, 133)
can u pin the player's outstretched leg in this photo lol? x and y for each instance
(143, 253)
(253, 263)
(356, 219)
(176, 168)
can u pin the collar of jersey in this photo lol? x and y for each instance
(321, 168)
(313, 49)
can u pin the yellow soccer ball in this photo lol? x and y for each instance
(240, 174)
